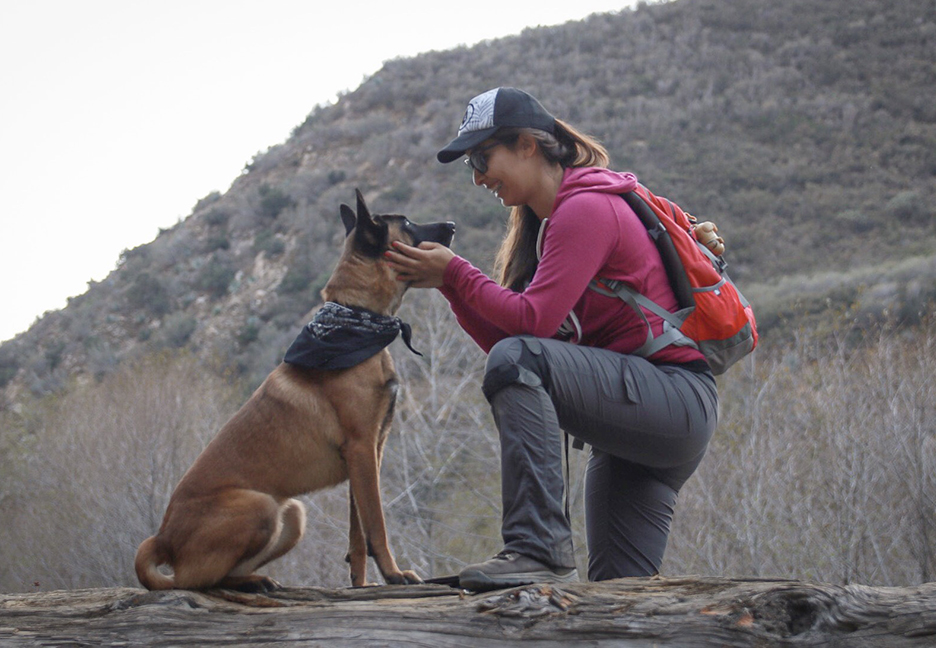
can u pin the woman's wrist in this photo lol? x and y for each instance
(450, 272)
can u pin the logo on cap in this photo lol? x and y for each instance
(480, 113)
(469, 113)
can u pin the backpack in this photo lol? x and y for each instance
(713, 316)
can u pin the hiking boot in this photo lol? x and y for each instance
(510, 569)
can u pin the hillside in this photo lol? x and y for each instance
(805, 128)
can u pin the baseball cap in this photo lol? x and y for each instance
(489, 112)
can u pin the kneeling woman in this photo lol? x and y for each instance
(560, 356)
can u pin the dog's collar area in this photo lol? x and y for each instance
(335, 315)
(339, 337)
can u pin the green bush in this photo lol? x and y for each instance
(298, 278)
(53, 354)
(267, 241)
(211, 198)
(9, 364)
(273, 201)
(177, 329)
(217, 217)
(857, 221)
(147, 292)
(318, 283)
(250, 333)
(908, 206)
(399, 194)
(217, 242)
(139, 254)
(215, 277)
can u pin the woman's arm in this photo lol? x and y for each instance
(426, 267)
(579, 239)
(485, 333)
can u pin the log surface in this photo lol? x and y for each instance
(691, 612)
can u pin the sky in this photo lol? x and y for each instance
(116, 116)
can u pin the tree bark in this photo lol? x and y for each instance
(691, 612)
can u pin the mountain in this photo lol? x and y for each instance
(805, 128)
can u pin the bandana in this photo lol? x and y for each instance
(339, 337)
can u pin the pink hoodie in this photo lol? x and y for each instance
(591, 233)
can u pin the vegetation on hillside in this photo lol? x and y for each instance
(806, 129)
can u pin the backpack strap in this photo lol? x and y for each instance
(664, 244)
(672, 322)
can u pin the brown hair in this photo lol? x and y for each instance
(516, 259)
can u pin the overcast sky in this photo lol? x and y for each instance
(116, 116)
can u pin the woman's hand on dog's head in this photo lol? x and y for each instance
(423, 266)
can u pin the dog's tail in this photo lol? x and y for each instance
(149, 556)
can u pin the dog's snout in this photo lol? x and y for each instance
(450, 233)
(442, 233)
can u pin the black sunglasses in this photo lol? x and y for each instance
(477, 159)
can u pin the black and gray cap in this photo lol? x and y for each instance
(489, 112)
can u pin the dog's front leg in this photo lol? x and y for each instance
(357, 545)
(361, 457)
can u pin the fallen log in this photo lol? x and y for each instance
(696, 612)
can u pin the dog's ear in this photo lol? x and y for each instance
(362, 209)
(348, 218)
(370, 234)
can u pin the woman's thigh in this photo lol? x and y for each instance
(659, 417)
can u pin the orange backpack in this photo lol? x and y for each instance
(713, 315)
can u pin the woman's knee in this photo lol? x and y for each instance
(515, 360)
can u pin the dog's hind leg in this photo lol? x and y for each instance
(289, 530)
(229, 544)
(292, 518)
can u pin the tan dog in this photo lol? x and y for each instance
(304, 429)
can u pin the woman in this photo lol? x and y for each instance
(560, 355)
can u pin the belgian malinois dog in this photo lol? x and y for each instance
(304, 429)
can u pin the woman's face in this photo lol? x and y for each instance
(502, 170)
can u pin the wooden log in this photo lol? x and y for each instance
(691, 612)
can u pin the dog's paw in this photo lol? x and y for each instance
(412, 578)
(360, 581)
(259, 585)
(403, 578)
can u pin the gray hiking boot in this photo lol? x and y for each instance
(510, 569)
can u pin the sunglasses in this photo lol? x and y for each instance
(477, 160)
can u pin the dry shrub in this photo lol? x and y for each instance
(823, 465)
(97, 466)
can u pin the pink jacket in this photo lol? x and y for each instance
(590, 233)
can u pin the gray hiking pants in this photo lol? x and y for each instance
(648, 427)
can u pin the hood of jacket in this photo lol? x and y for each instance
(584, 179)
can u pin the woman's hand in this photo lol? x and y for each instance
(423, 266)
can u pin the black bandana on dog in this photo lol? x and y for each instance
(339, 337)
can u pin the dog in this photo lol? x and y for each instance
(304, 429)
